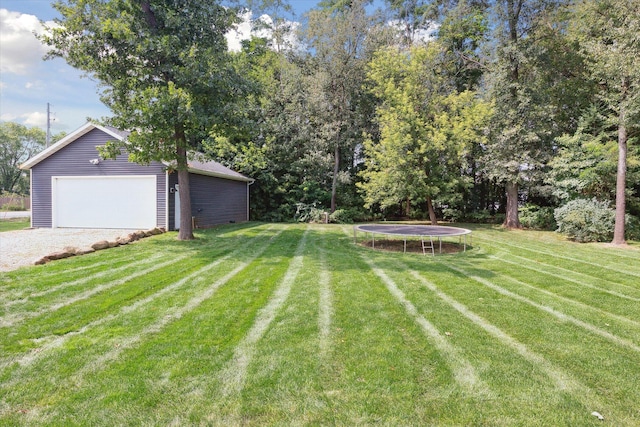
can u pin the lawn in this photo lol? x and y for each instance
(274, 324)
(14, 224)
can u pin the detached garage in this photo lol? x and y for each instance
(72, 187)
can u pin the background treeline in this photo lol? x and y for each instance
(521, 112)
(457, 110)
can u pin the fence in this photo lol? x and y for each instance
(15, 203)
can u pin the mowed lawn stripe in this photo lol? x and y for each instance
(596, 253)
(17, 316)
(562, 380)
(556, 297)
(121, 322)
(50, 275)
(463, 372)
(383, 364)
(176, 312)
(233, 375)
(283, 383)
(565, 274)
(553, 312)
(27, 293)
(193, 347)
(153, 286)
(325, 301)
(603, 304)
(594, 267)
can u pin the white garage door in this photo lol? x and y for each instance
(104, 202)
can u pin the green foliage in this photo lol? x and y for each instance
(343, 216)
(164, 70)
(426, 130)
(310, 213)
(586, 220)
(17, 144)
(537, 217)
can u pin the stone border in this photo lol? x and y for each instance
(70, 251)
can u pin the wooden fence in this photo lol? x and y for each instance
(13, 203)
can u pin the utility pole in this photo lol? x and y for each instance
(48, 124)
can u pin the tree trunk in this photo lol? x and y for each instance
(432, 213)
(334, 183)
(621, 178)
(512, 220)
(186, 227)
(407, 207)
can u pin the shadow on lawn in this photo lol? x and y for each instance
(325, 243)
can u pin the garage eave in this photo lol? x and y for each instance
(86, 128)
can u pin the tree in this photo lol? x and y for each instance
(413, 18)
(17, 144)
(343, 38)
(426, 130)
(608, 32)
(522, 128)
(164, 71)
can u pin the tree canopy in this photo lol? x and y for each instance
(164, 71)
(462, 110)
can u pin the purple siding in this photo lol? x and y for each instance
(213, 200)
(73, 160)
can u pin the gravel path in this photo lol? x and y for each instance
(24, 247)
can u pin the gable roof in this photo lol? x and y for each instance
(83, 130)
(209, 168)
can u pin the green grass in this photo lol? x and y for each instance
(273, 324)
(14, 224)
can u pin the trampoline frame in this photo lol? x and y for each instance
(424, 232)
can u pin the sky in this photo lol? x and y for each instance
(28, 83)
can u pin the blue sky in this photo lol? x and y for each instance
(28, 83)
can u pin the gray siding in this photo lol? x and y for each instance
(73, 160)
(214, 200)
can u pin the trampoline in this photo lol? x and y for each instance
(426, 234)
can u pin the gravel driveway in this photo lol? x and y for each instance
(24, 247)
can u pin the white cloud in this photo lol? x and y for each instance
(35, 119)
(263, 28)
(21, 51)
(7, 117)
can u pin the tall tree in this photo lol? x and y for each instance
(163, 69)
(17, 144)
(608, 31)
(521, 137)
(426, 130)
(343, 37)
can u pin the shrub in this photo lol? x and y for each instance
(13, 207)
(536, 217)
(343, 216)
(451, 214)
(309, 213)
(585, 220)
(632, 227)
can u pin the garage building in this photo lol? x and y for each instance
(72, 187)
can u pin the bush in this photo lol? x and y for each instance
(343, 216)
(538, 218)
(12, 207)
(309, 213)
(586, 220)
(451, 214)
(632, 227)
